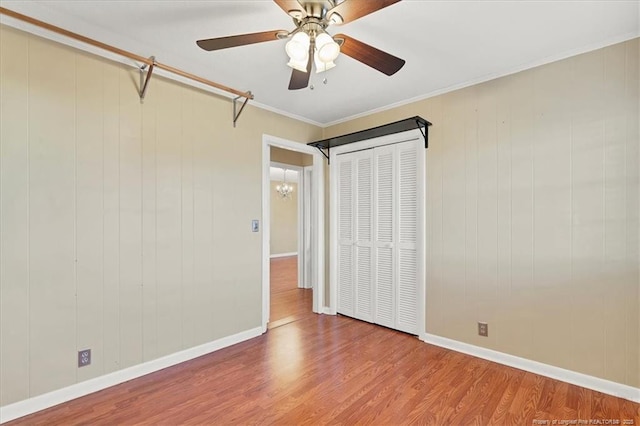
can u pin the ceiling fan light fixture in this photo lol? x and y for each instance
(298, 47)
(327, 50)
(322, 66)
(298, 65)
(296, 14)
(335, 19)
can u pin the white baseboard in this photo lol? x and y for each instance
(274, 256)
(40, 402)
(575, 378)
(328, 311)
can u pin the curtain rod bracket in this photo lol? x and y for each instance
(236, 112)
(144, 80)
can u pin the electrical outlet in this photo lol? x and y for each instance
(483, 329)
(84, 357)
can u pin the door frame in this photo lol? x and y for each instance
(305, 268)
(422, 218)
(317, 220)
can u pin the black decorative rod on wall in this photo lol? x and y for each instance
(407, 124)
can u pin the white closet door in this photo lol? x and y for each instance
(346, 288)
(364, 264)
(384, 182)
(407, 232)
(379, 225)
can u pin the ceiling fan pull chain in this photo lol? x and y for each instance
(324, 80)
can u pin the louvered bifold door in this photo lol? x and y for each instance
(363, 251)
(346, 288)
(385, 298)
(407, 234)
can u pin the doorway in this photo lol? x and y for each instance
(298, 261)
(290, 293)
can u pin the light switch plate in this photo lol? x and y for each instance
(255, 225)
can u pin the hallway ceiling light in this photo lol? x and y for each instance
(284, 189)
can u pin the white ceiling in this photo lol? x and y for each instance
(447, 44)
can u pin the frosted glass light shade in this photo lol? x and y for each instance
(322, 66)
(299, 65)
(298, 47)
(327, 50)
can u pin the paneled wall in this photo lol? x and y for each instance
(533, 204)
(124, 227)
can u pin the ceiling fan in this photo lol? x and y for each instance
(311, 44)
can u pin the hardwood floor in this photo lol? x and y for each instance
(320, 369)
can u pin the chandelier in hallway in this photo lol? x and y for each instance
(284, 189)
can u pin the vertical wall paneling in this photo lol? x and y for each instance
(130, 192)
(587, 221)
(503, 222)
(470, 202)
(516, 312)
(453, 213)
(226, 205)
(552, 206)
(51, 217)
(202, 224)
(187, 216)
(487, 203)
(111, 220)
(632, 155)
(149, 223)
(14, 219)
(169, 219)
(615, 212)
(89, 207)
(434, 211)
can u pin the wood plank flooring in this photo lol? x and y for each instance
(322, 369)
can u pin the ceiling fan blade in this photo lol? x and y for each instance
(292, 5)
(238, 40)
(369, 55)
(350, 10)
(300, 79)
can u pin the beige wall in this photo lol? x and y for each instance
(284, 214)
(286, 156)
(533, 212)
(284, 221)
(125, 227)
